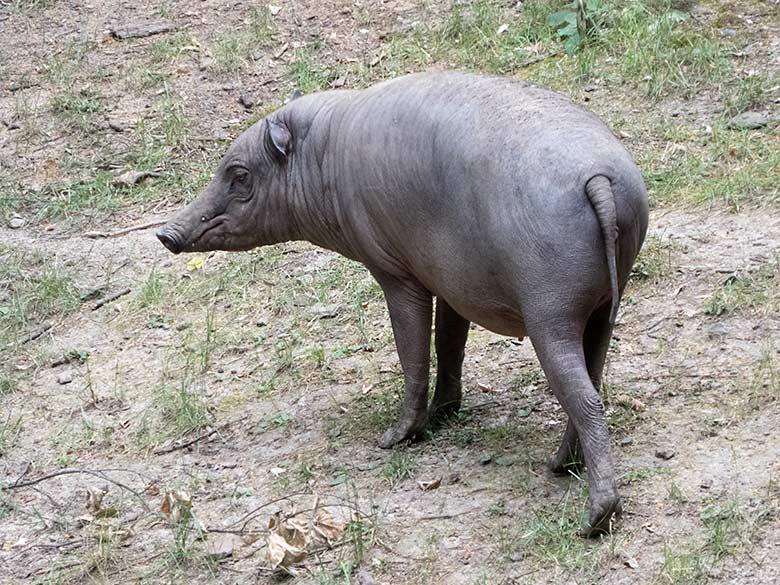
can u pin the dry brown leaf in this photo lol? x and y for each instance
(327, 527)
(293, 530)
(630, 562)
(110, 512)
(427, 486)
(130, 178)
(176, 504)
(627, 401)
(85, 520)
(290, 539)
(94, 499)
(281, 553)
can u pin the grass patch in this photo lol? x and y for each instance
(179, 402)
(732, 167)
(150, 293)
(8, 384)
(63, 67)
(229, 52)
(654, 262)
(765, 382)
(64, 199)
(79, 104)
(10, 428)
(399, 466)
(745, 94)
(167, 49)
(730, 528)
(681, 566)
(181, 406)
(232, 50)
(758, 290)
(368, 416)
(663, 49)
(551, 536)
(307, 73)
(32, 290)
(658, 49)
(142, 78)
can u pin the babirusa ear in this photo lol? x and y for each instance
(280, 138)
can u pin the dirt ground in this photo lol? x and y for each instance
(247, 384)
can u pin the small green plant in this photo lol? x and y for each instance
(551, 535)
(151, 290)
(306, 73)
(207, 344)
(765, 382)
(32, 289)
(574, 23)
(318, 357)
(229, 52)
(747, 93)
(655, 260)
(399, 467)
(752, 290)
(279, 421)
(261, 27)
(75, 104)
(173, 121)
(731, 527)
(7, 384)
(168, 48)
(675, 494)
(9, 432)
(181, 406)
(681, 566)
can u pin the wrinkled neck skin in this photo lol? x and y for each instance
(312, 206)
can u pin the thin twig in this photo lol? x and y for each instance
(200, 437)
(538, 59)
(99, 473)
(444, 516)
(249, 515)
(122, 232)
(36, 333)
(480, 405)
(110, 298)
(26, 470)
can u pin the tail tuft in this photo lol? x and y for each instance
(601, 197)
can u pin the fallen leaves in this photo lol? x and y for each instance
(630, 402)
(291, 539)
(177, 505)
(130, 178)
(430, 485)
(99, 519)
(287, 541)
(196, 263)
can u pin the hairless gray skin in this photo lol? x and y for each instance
(513, 207)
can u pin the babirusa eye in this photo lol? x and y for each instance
(241, 177)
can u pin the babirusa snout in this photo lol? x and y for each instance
(170, 239)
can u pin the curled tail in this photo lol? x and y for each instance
(601, 197)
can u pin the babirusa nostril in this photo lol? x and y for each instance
(169, 240)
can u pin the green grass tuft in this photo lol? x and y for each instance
(758, 290)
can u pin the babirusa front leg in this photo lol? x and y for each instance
(411, 311)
